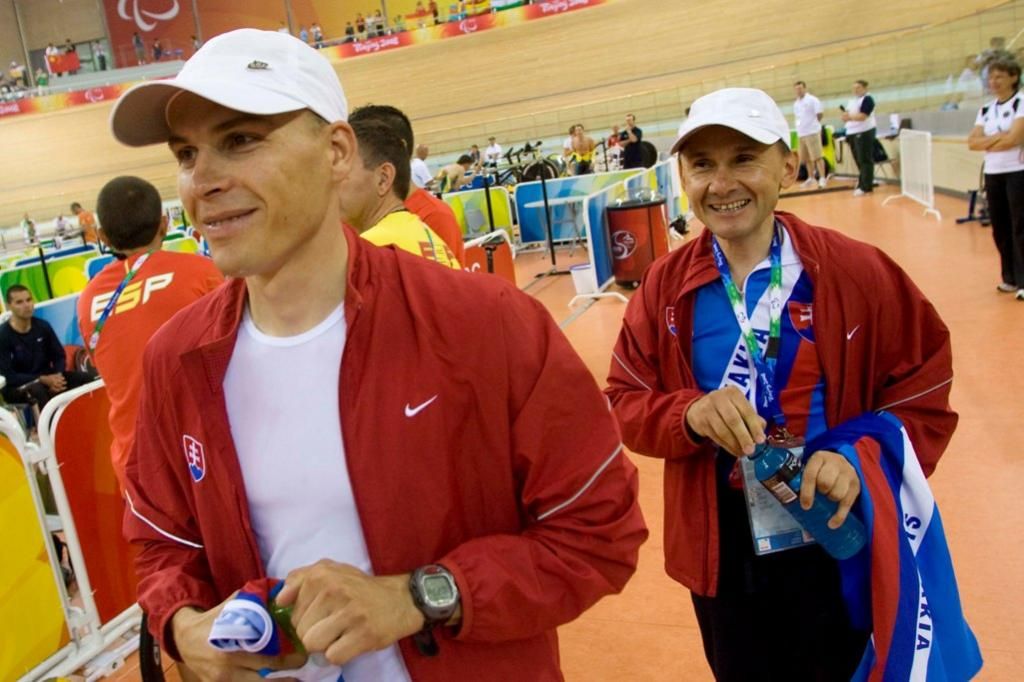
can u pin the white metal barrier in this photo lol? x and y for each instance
(916, 170)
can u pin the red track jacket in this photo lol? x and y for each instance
(880, 343)
(514, 479)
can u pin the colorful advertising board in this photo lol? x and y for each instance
(32, 625)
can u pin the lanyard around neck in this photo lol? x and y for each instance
(94, 338)
(764, 364)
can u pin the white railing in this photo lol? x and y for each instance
(916, 170)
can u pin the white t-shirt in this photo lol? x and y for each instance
(282, 404)
(853, 107)
(420, 172)
(806, 110)
(493, 153)
(998, 118)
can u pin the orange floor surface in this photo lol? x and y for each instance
(649, 634)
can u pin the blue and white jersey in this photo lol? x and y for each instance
(720, 356)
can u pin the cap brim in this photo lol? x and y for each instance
(139, 116)
(743, 126)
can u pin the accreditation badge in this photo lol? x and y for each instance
(772, 528)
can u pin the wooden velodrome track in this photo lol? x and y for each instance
(648, 632)
(534, 79)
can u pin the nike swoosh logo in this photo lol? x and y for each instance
(849, 334)
(413, 411)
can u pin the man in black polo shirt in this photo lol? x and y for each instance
(31, 355)
(630, 138)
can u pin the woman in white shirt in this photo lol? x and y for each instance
(999, 132)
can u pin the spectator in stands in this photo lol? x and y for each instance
(631, 136)
(50, 54)
(996, 50)
(399, 25)
(582, 158)
(861, 134)
(99, 53)
(318, 35)
(372, 197)
(69, 46)
(421, 175)
(378, 23)
(807, 111)
(132, 297)
(474, 153)
(454, 176)
(360, 26)
(438, 215)
(140, 48)
(999, 132)
(492, 155)
(303, 34)
(86, 223)
(350, 32)
(158, 50)
(18, 74)
(32, 358)
(327, 368)
(435, 12)
(42, 78)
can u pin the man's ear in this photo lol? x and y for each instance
(163, 226)
(344, 150)
(387, 179)
(791, 168)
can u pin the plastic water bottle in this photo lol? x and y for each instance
(780, 471)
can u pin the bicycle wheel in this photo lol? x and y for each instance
(538, 169)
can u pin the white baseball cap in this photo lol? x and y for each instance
(252, 71)
(749, 111)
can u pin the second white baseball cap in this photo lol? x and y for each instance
(751, 112)
(252, 71)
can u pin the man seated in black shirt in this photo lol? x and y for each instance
(31, 355)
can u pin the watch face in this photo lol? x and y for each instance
(437, 589)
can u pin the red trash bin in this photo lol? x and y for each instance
(639, 234)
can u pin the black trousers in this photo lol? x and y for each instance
(37, 393)
(863, 147)
(778, 617)
(1005, 194)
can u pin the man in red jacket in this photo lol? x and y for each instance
(766, 328)
(336, 415)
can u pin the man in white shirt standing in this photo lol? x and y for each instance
(859, 116)
(492, 155)
(421, 175)
(807, 111)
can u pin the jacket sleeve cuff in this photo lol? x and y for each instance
(161, 626)
(465, 625)
(681, 430)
